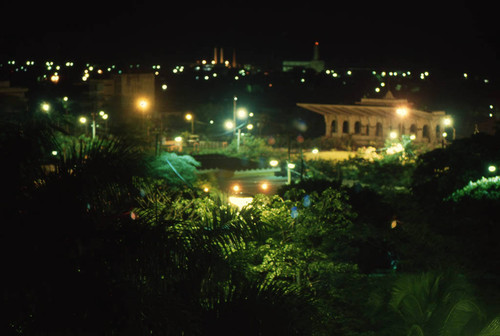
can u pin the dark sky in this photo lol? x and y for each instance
(414, 33)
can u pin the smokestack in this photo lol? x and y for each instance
(316, 51)
(221, 56)
(215, 55)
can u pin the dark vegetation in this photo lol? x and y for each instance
(102, 239)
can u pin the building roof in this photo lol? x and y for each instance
(371, 107)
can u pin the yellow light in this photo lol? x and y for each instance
(315, 151)
(54, 78)
(447, 121)
(242, 113)
(205, 189)
(393, 135)
(82, 120)
(402, 111)
(229, 125)
(189, 116)
(273, 163)
(240, 202)
(178, 139)
(45, 107)
(142, 104)
(250, 127)
(291, 165)
(235, 188)
(264, 186)
(492, 168)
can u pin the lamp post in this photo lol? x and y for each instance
(143, 105)
(448, 122)
(289, 167)
(189, 117)
(234, 114)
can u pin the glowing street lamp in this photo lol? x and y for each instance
(402, 112)
(448, 123)
(229, 125)
(143, 104)
(45, 107)
(273, 163)
(189, 117)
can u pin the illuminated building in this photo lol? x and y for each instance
(372, 120)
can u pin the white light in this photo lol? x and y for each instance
(492, 168)
(240, 202)
(273, 163)
(402, 111)
(241, 113)
(178, 139)
(45, 107)
(291, 165)
(393, 135)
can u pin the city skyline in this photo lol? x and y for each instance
(367, 35)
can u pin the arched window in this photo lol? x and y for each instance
(425, 132)
(367, 129)
(357, 127)
(413, 129)
(334, 126)
(378, 130)
(345, 127)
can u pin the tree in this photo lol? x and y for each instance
(436, 303)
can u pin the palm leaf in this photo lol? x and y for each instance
(415, 330)
(492, 329)
(460, 315)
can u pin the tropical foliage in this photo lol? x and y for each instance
(98, 237)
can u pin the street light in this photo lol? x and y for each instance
(189, 117)
(448, 123)
(143, 104)
(402, 111)
(45, 107)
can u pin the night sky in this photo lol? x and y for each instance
(417, 33)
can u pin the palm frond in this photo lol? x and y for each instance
(460, 315)
(492, 329)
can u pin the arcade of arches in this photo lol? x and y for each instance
(370, 121)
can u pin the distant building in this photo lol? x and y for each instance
(12, 99)
(126, 89)
(370, 121)
(315, 64)
(7, 90)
